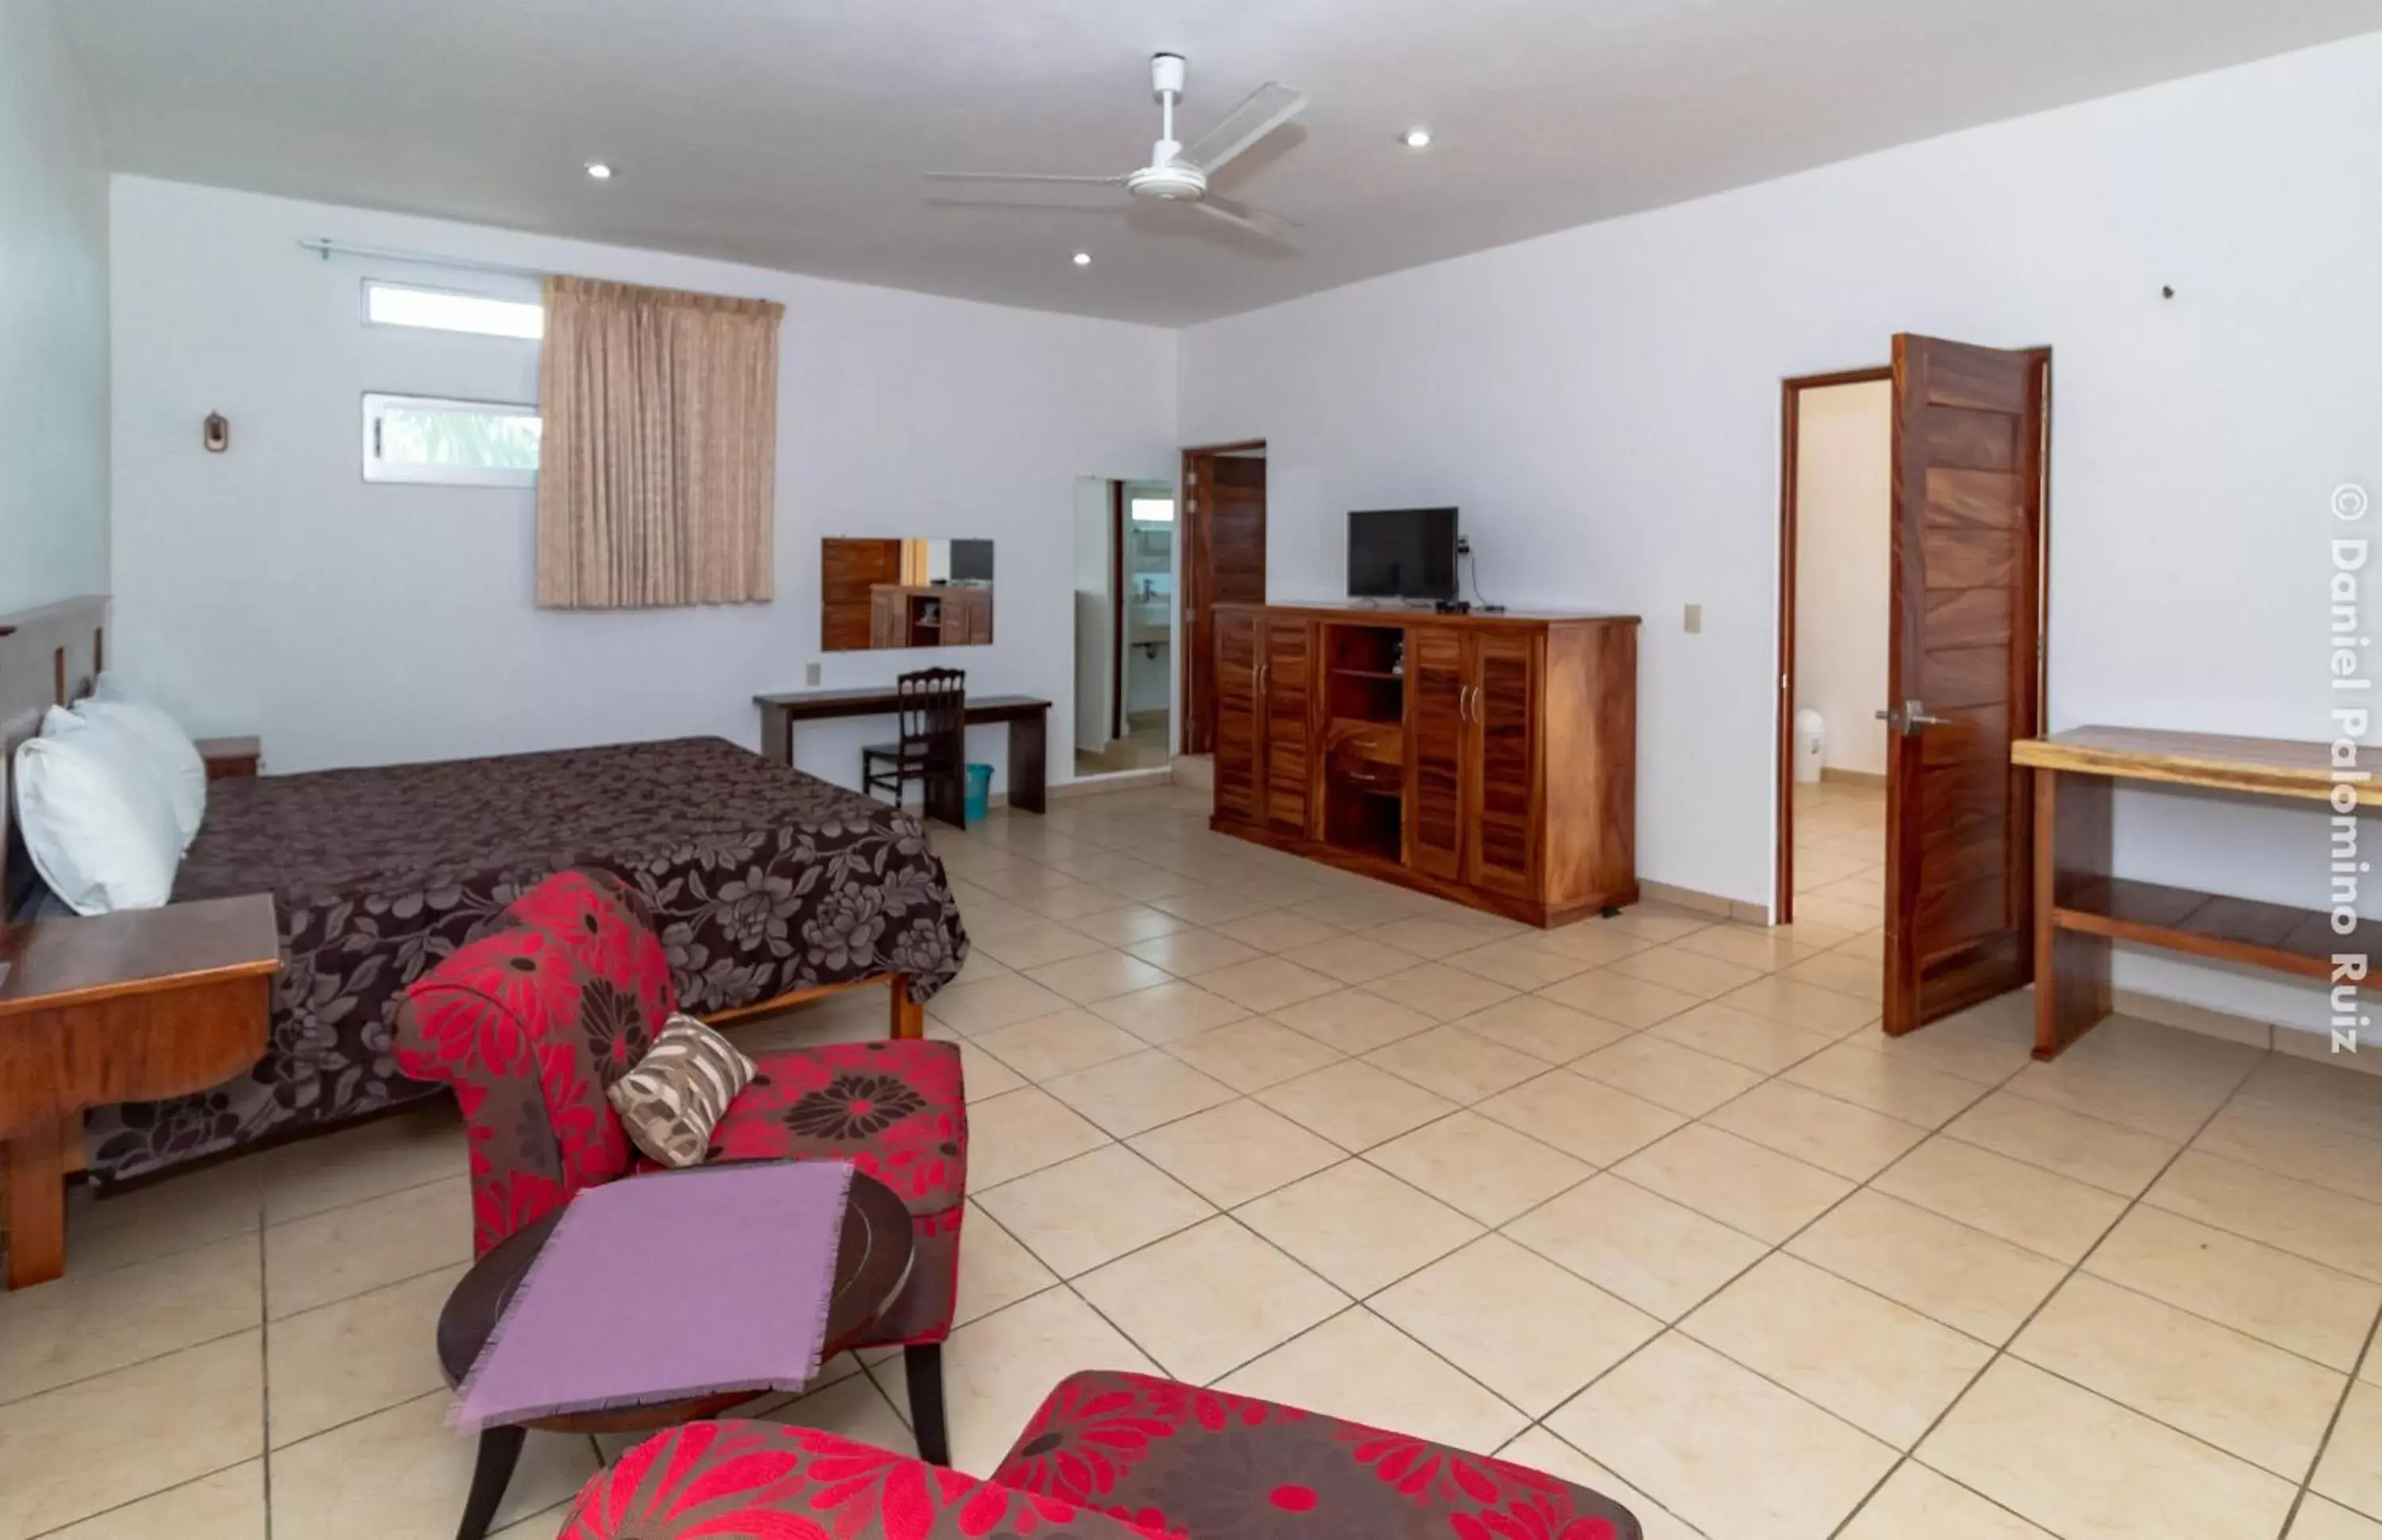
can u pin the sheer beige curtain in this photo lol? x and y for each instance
(657, 473)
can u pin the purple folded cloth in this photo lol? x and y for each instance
(664, 1288)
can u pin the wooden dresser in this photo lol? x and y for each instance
(941, 616)
(1490, 759)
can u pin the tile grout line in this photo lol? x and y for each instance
(1671, 1327)
(1905, 1457)
(1362, 1301)
(2003, 1349)
(161, 1491)
(264, 1366)
(2331, 1427)
(1941, 1129)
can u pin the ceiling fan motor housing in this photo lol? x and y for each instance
(1169, 179)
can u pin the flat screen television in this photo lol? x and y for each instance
(1401, 554)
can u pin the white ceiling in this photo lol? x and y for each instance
(793, 133)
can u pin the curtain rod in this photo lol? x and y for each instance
(326, 249)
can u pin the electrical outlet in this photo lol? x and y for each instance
(1695, 620)
(810, 672)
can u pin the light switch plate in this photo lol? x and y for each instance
(1695, 620)
(810, 672)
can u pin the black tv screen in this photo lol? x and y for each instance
(972, 561)
(1401, 554)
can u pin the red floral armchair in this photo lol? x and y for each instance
(1108, 1457)
(533, 1021)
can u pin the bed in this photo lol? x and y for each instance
(768, 886)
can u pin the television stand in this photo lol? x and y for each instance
(1487, 759)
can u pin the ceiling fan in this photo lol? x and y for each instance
(1176, 173)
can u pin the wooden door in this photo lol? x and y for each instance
(1502, 842)
(849, 571)
(1438, 722)
(1288, 688)
(967, 616)
(1239, 719)
(1962, 673)
(889, 618)
(1223, 563)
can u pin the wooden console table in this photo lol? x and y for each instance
(1027, 718)
(2081, 906)
(117, 1007)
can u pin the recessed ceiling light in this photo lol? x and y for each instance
(1083, 259)
(1417, 137)
(599, 170)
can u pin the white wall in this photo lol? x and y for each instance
(270, 590)
(1603, 404)
(53, 319)
(1844, 528)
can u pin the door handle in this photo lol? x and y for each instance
(1910, 718)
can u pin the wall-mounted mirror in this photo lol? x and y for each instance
(878, 593)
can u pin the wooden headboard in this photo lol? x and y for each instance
(48, 657)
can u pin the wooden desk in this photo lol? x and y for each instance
(1027, 719)
(117, 1007)
(2080, 905)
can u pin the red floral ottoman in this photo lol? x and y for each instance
(1108, 1457)
(1175, 1460)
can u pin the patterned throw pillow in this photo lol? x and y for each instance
(678, 1091)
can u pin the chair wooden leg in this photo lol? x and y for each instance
(909, 1016)
(500, 1450)
(922, 1364)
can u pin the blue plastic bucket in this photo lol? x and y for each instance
(979, 793)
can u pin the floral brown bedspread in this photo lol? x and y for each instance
(763, 881)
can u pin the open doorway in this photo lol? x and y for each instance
(1124, 625)
(1837, 550)
(1942, 862)
(1223, 537)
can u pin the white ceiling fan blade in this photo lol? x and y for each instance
(1268, 108)
(1264, 219)
(1233, 215)
(1020, 177)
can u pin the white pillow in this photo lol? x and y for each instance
(174, 759)
(100, 830)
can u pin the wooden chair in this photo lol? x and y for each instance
(559, 998)
(933, 749)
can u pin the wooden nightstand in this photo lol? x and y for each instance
(231, 758)
(117, 1007)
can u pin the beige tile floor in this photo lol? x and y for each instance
(1143, 747)
(1647, 1202)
